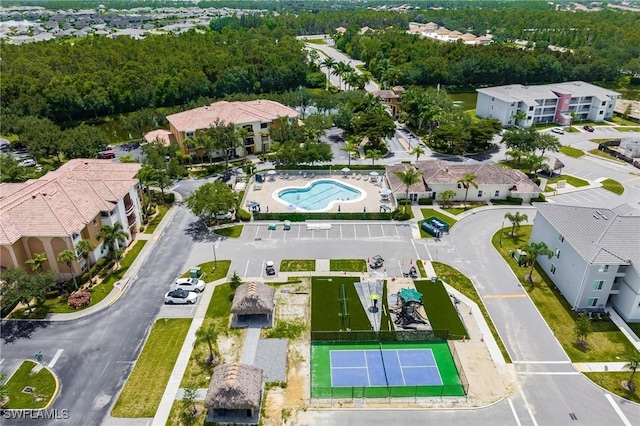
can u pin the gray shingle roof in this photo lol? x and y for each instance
(598, 235)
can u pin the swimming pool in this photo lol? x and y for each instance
(319, 195)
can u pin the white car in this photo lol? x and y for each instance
(180, 297)
(190, 284)
(558, 130)
(29, 162)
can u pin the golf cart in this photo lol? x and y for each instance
(376, 262)
(413, 273)
(270, 268)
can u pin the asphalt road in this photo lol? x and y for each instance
(99, 350)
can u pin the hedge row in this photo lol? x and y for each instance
(425, 201)
(509, 201)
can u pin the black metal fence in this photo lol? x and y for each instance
(370, 336)
(604, 147)
(389, 394)
(458, 364)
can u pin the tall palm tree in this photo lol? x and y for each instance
(86, 247)
(111, 236)
(537, 249)
(242, 134)
(373, 154)
(208, 335)
(68, 257)
(408, 178)
(417, 151)
(468, 180)
(329, 63)
(515, 220)
(519, 116)
(37, 261)
(632, 365)
(349, 147)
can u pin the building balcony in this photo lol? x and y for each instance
(129, 208)
(615, 288)
(131, 220)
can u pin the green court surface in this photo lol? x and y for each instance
(321, 385)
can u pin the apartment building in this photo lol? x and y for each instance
(53, 213)
(523, 106)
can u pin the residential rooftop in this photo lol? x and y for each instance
(519, 92)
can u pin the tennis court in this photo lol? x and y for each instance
(383, 369)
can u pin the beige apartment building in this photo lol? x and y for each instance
(53, 213)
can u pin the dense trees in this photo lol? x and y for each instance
(210, 200)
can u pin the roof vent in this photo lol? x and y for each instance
(598, 212)
(604, 217)
(596, 216)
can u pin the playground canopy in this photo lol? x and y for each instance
(410, 295)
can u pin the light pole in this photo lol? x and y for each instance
(215, 259)
(501, 231)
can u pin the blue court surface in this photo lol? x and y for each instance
(386, 367)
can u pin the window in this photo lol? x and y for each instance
(264, 125)
(603, 103)
(497, 194)
(459, 185)
(553, 269)
(530, 108)
(603, 268)
(95, 221)
(601, 112)
(480, 193)
(593, 301)
(597, 285)
(190, 133)
(84, 266)
(557, 253)
(529, 117)
(561, 238)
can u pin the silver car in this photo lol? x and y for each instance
(180, 297)
(190, 284)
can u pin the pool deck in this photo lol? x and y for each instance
(265, 193)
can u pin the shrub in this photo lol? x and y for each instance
(425, 201)
(79, 299)
(401, 215)
(514, 200)
(540, 199)
(169, 198)
(404, 202)
(243, 215)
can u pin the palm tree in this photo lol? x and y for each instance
(111, 236)
(537, 249)
(374, 154)
(68, 257)
(208, 335)
(573, 116)
(632, 365)
(86, 247)
(417, 151)
(515, 220)
(349, 147)
(37, 261)
(468, 180)
(408, 178)
(329, 63)
(242, 134)
(519, 116)
(341, 69)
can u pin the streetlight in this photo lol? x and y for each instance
(215, 259)
(501, 231)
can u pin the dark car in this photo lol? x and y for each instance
(270, 268)
(588, 128)
(376, 262)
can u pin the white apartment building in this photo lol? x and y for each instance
(547, 103)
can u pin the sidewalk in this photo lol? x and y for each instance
(129, 277)
(600, 367)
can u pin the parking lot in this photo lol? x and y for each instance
(343, 231)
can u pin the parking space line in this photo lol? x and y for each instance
(257, 231)
(327, 234)
(246, 268)
(340, 231)
(355, 234)
(299, 228)
(382, 227)
(369, 230)
(397, 233)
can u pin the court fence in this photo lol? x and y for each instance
(371, 336)
(456, 360)
(390, 394)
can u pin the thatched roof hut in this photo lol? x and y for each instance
(253, 298)
(552, 164)
(234, 387)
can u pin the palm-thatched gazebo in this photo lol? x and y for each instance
(234, 394)
(552, 165)
(253, 301)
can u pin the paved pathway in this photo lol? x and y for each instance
(250, 345)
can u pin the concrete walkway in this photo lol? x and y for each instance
(250, 346)
(593, 367)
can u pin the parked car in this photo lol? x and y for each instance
(190, 284)
(588, 128)
(376, 262)
(180, 297)
(29, 162)
(558, 130)
(270, 268)
(108, 154)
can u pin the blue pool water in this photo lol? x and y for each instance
(319, 195)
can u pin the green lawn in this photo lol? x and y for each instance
(571, 180)
(326, 307)
(622, 121)
(43, 382)
(348, 265)
(628, 129)
(457, 210)
(440, 310)
(571, 152)
(144, 388)
(611, 382)
(613, 186)
(211, 272)
(635, 326)
(315, 41)
(421, 270)
(603, 154)
(162, 210)
(198, 373)
(298, 265)
(230, 232)
(606, 343)
(463, 284)
(102, 290)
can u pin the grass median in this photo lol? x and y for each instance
(298, 265)
(146, 383)
(348, 265)
(613, 186)
(43, 384)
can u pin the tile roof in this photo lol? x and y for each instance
(63, 201)
(598, 235)
(262, 110)
(164, 136)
